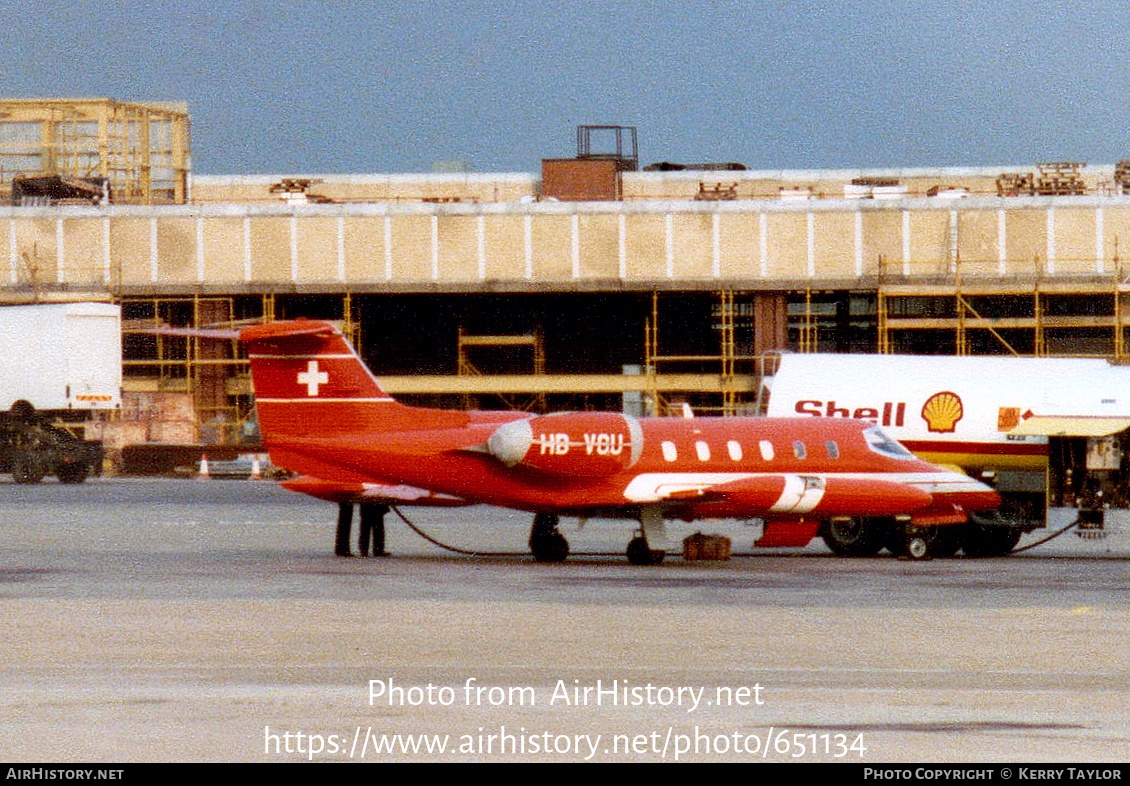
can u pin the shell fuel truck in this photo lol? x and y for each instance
(1051, 434)
(61, 363)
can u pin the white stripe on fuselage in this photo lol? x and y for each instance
(802, 493)
(798, 496)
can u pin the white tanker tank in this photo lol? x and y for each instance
(998, 418)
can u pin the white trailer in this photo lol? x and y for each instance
(58, 360)
(995, 417)
(61, 356)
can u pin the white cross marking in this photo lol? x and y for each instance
(312, 378)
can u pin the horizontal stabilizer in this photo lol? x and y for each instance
(218, 334)
(377, 493)
(295, 328)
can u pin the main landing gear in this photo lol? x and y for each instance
(650, 546)
(546, 543)
(640, 554)
(858, 537)
(647, 548)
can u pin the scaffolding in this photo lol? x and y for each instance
(737, 378)
(1073, 317)
(133, 153)
(212, 372)
(468, 343)
(808, 335)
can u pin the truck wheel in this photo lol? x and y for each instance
(988, 540)
(75, 472)
(27, 470)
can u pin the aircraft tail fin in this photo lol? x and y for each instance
(307, 361)
(311, 386)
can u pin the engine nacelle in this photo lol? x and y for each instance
(584, 444)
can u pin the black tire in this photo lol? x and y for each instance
(918, 548)
(986, 540)
(23, 412)
(855, 537)
(546, 543)
(75, 472)
(640, 554)
(549, 547)
(947, 541)
(27, 469)
(923, 543)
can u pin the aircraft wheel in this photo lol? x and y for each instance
(854, 537)
(549, 548)
(546, 543)
(640, 554)
(923, 543)
(947, 541)
(918, 547)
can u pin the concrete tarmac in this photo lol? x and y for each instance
(208, 621)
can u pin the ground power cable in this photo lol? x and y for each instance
(1049, 537)
(469, 553)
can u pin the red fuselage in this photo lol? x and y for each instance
(323, 414)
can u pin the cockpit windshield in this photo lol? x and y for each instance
(885, 445)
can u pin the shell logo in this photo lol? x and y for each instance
(942, 411)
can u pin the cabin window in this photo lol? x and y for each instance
(882, 443)
(799, 450)
(766, 449)
(703, 450)
(669, 451)
(735, 450)
(832, 448)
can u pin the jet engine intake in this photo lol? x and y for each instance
(585, 444)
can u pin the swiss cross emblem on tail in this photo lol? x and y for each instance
(313, 378)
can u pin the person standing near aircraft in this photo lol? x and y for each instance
(372, 529)
(344, 528)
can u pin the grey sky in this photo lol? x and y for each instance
(319, 87)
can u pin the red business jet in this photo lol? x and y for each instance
(322, 414)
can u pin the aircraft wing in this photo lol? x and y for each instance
(376, 493)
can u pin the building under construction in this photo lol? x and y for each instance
(593, 283)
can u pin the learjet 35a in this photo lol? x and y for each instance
(322, 414)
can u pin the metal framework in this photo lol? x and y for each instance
(1085, 316)
(738, 385)
(140, 150)
(468, 342)
(593, 143)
